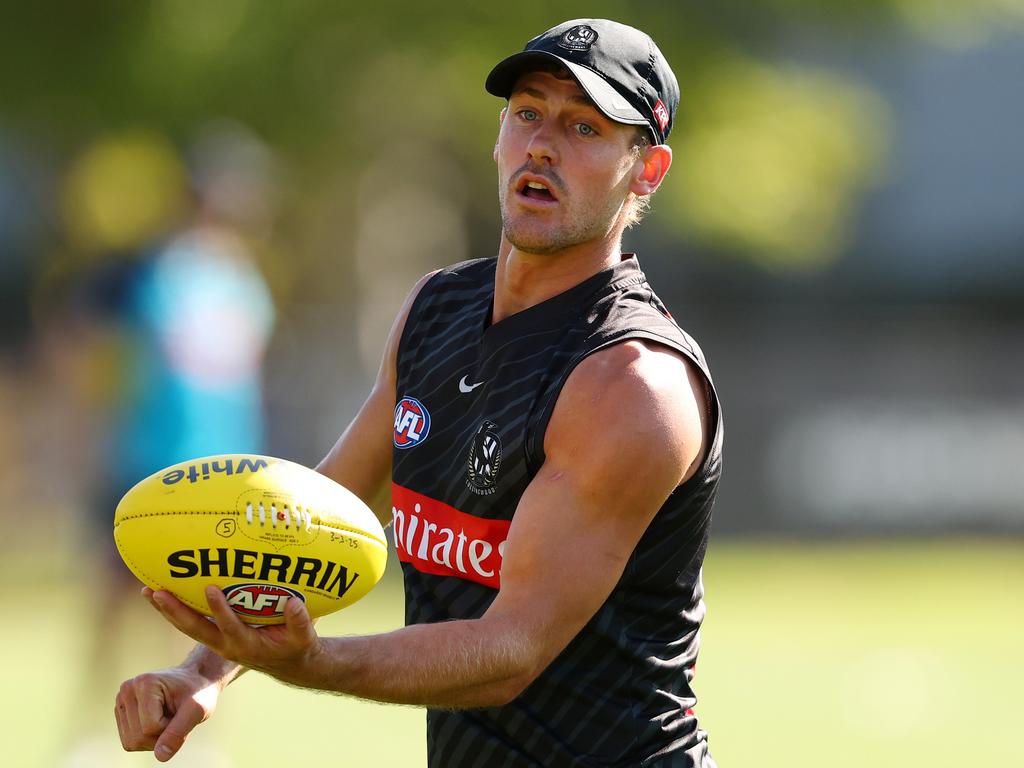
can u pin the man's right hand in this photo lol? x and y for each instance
(157, 710)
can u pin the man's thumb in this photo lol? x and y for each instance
(188, 716)
(297, 620)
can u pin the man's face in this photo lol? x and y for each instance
(563, 168)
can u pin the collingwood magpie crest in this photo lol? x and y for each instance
(484, 459)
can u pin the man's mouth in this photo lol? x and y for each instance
(536, 189)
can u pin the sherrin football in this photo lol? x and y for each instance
(261, 529)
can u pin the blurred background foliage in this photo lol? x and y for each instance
(843, 231)
(775, 152)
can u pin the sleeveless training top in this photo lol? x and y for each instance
(474, 400)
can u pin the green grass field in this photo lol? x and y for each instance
(904, 654)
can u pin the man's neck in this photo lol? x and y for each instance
(524, 279)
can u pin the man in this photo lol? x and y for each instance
(563, 429)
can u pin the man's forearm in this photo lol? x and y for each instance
(450, 665)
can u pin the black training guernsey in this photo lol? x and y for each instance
(474, 400)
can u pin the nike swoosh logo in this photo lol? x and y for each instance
(465, 387)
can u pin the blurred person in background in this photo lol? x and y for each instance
(573, 429)
(195, 315)
(178, 332)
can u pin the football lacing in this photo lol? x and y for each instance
(302, 518)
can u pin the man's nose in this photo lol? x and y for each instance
(543, 145)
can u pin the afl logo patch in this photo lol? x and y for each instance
(259, 600)
(412, 423)
(484, 459)
(579, 38)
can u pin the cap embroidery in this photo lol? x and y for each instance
(661, 115)
(579, 38)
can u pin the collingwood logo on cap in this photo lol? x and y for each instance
(579, 38)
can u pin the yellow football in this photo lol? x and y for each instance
(260, 529)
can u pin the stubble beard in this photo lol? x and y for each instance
(545, 239)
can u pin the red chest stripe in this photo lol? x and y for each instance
(442, 541)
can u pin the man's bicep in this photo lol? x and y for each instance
(568, 546)
(587, 508)
(561, 561)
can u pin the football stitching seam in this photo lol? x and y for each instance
(236, 513)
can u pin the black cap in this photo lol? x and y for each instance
(619, 67)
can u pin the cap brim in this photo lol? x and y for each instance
(610, 102)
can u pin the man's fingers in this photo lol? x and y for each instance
(188, 716)
(227, 620)
(186, 620)
(122, 726)
(139, 712)
(130, 711)
(152, 719)
(156, 711)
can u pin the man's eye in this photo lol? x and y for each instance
(528, 114)
(585, 130)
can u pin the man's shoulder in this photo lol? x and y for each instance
(634, 366)
(635, 311)
(470, 276)
(471, 270)
(643, 393)
(446, 293)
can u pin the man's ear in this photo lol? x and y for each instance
(650, 169)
